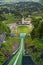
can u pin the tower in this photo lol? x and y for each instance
(22, 20)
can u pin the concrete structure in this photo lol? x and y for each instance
(26, 21)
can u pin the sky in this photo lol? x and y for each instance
(18, 0)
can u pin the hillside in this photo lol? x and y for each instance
(29, 7)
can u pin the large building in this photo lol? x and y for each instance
(26, 21)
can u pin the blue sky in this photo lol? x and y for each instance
(18, 0)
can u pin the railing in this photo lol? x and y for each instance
(10, 57)
(17, 55)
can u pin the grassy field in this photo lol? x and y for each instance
(23, 29)
(9, 18)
